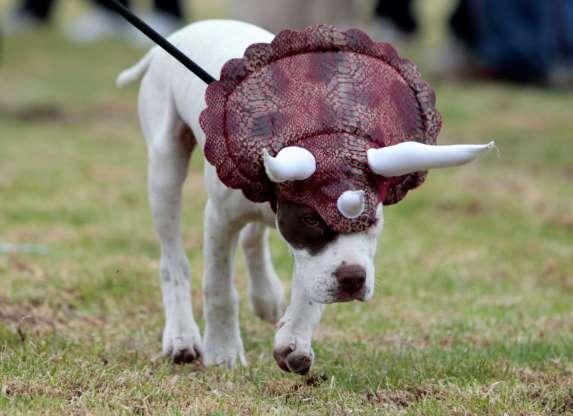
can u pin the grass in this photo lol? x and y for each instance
(473, 307)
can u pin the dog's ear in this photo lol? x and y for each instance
(290, 164)
(408, 157)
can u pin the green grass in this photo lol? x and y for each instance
(473, 307)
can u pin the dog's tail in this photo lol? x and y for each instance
(135, 72)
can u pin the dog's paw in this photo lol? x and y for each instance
(224, 352)
(296, 357)
(182, 348)
(269, 306)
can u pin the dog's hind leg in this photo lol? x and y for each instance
(222, 344)
(170, 144)
(266, 291)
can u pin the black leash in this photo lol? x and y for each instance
(160, 40)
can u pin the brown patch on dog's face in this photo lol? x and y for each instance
(303, 228)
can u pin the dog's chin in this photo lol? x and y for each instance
(338, 296)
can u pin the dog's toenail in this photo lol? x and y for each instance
(184, 356)
(299, 363)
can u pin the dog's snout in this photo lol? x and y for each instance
(350, 277)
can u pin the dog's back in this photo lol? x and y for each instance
(210, 43)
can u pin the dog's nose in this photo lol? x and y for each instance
(350, 277)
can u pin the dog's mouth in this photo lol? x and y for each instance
(347, 295)
(340, 295)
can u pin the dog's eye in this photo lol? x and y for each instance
(303, 228)
(311, 220)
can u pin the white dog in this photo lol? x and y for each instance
(329, 266)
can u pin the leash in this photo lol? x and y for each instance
(160, 40)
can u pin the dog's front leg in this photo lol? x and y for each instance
(293, 351)
(222, 344)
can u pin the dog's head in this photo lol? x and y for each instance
(334, 266)
(327, 126)
(332, 227)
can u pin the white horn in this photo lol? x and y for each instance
(351, 204)
(290, 164)
(409, 157)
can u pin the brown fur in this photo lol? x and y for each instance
(303, 228)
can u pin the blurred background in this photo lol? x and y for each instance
(475, 269)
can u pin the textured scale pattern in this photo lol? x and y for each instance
(335, 93)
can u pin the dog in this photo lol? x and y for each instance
(329, 265)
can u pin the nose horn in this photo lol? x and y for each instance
(350, 277)
(351, 204)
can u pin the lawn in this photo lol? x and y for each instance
(473, 310)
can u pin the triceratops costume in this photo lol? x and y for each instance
(301, 120)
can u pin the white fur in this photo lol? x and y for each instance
(170, 99)
(315, 271)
